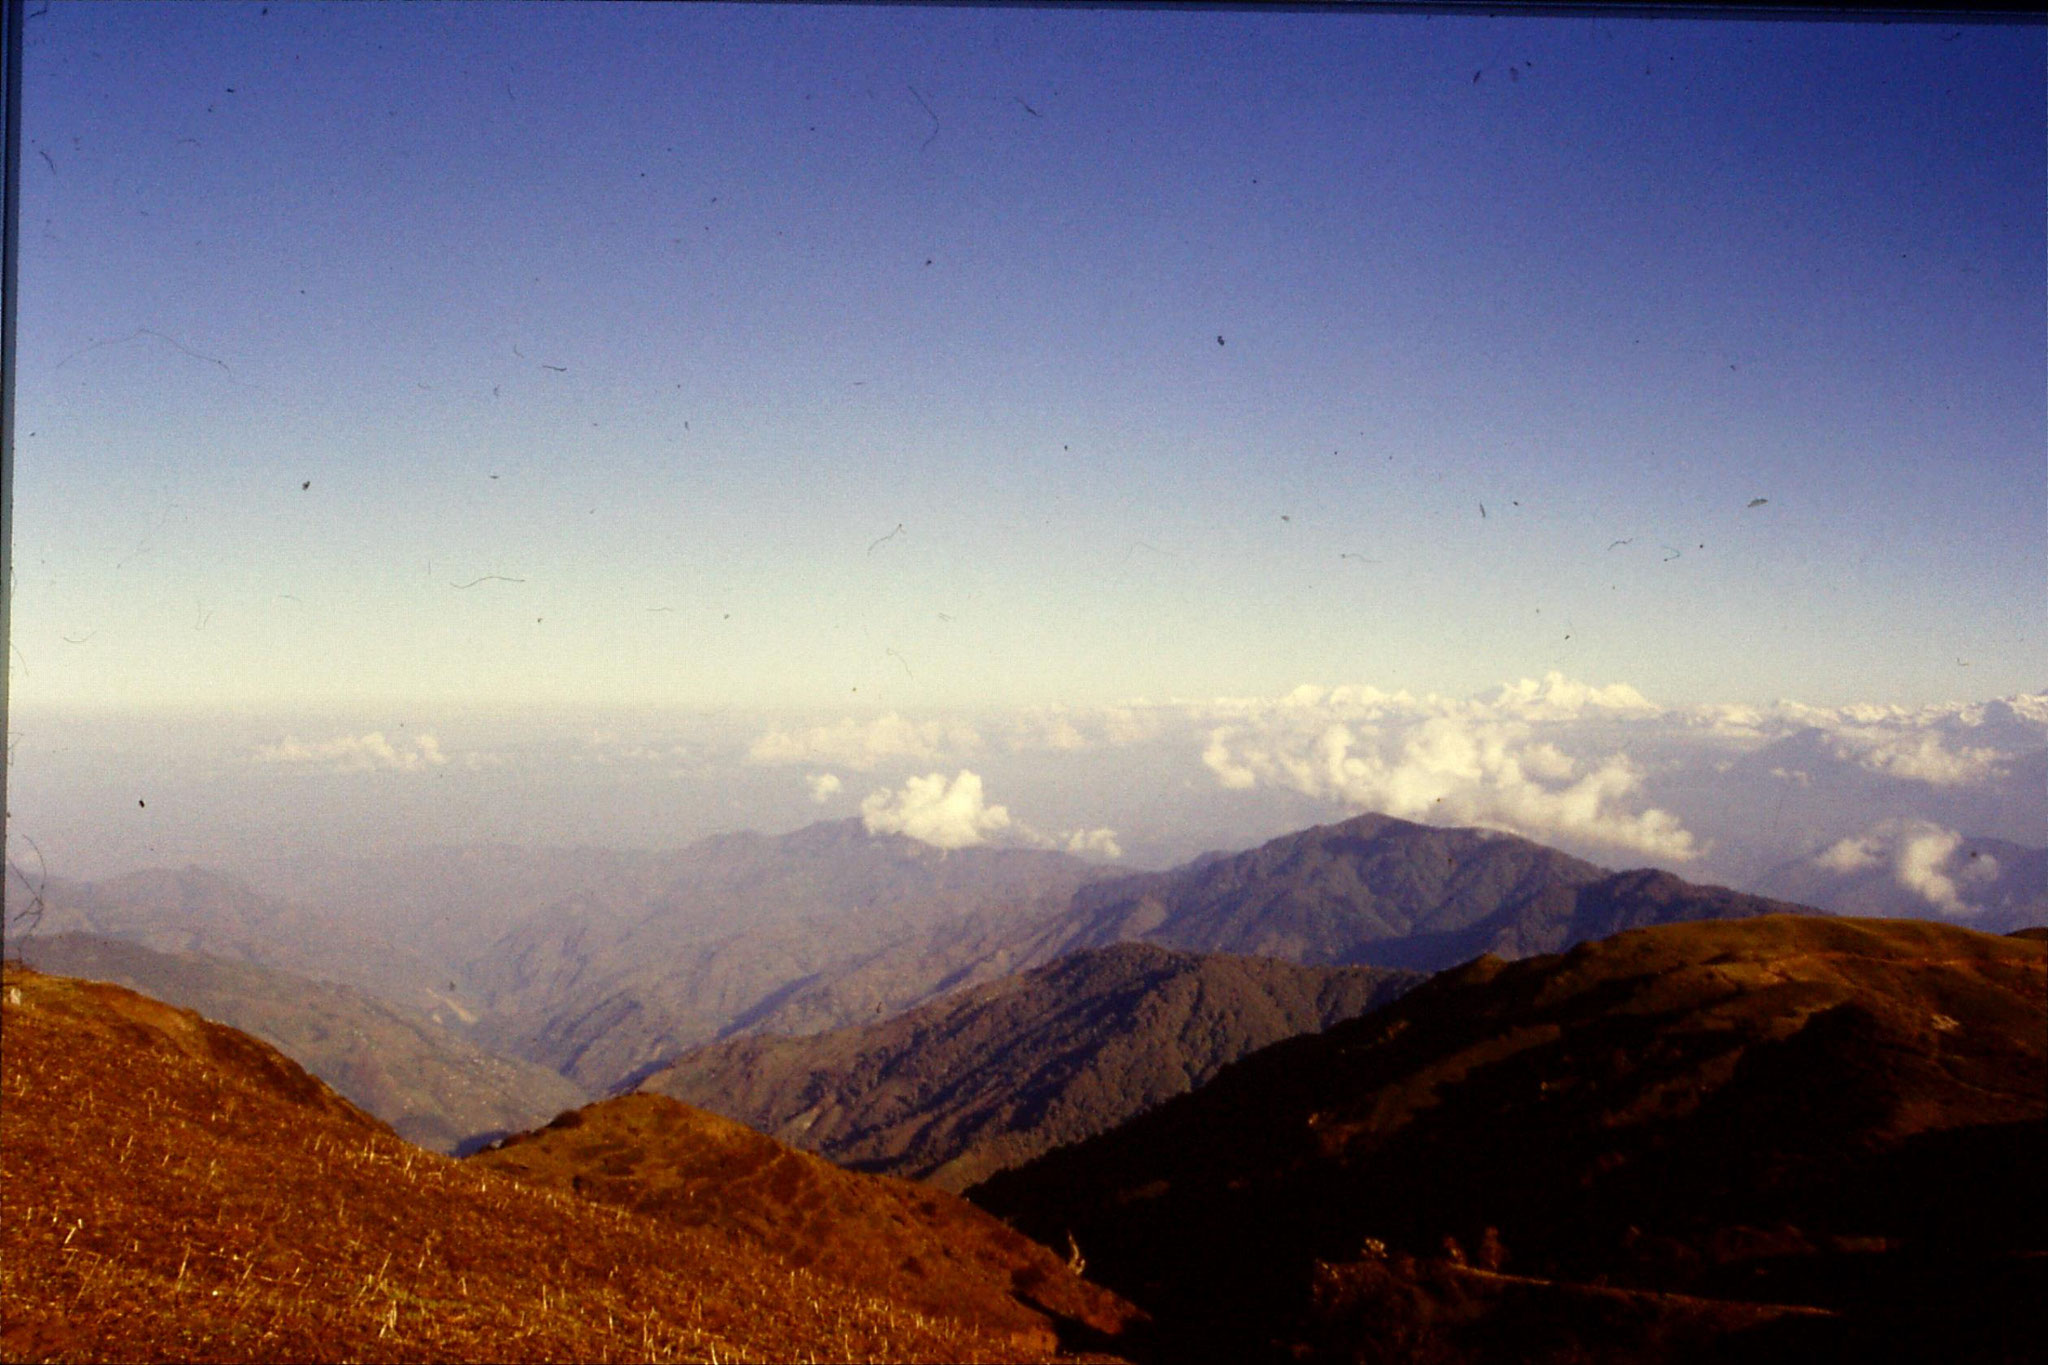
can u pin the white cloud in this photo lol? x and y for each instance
(824, 786)
(1951, 745)
(1924, 756)
(1048, 728)
(1560, 698)
(1920, 855)
(356, 754)
(1853, 854)
(1474, 761)
(936, 812)
(864, 745)
(1100, 842)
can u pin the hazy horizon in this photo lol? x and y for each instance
(1135, 432)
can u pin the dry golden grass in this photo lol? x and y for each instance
(910, 1244)
(171, 1189)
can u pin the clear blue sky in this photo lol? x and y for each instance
(582, 355)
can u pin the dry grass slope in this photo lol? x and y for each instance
(172, 1189)
(907, 1243)
(1836, 1119)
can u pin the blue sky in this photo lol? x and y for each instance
(607, 423)
(811, 275)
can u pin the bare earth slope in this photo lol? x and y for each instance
(1844, 1116)
(430, 1083)
(993, 1075)
(172, 1189)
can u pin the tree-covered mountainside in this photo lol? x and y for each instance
(994, 1074)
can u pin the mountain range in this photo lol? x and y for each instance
(608, 968)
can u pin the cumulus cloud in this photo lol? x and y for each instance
(863, 745)
(1920, 856)
(1926, 756)
(1560, 698)
(1099, 842)
(824, 786)
(1473, 761)
(1559, 758)
(356, 754)
(937, 812)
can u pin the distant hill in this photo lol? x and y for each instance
(1842, 1118)
(1334, 894)
(177, 1190)
(198, 910)
(602, 964)
(1390, 893)
(430, 1083)
(747, 922)
(994, 1074)
(932, 1252)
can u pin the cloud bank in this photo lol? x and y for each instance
(356, 754)
(1480, 761)
(1600, 767)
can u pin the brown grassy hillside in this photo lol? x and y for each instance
(171, 1189)
(428, 1081)
(1842, 1115)
(907, 1243)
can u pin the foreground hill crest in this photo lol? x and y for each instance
(175, 1189)
(1841, 1116)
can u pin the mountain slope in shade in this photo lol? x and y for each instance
(430, 1083)
(916, 1246)
(1843, 1115)
(173, 1189)
(993, 1075)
